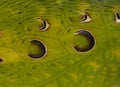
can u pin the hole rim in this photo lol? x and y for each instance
(1, 60)
(86, 18)
(45, 25)
(117, 17)
(88, 37)
(44, 55)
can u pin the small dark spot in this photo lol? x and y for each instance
(90, 39)
(19, 23)
(18, 76)
(70, 19)
(28, 18)
(62, 22)
(3, 72)
(23, 41)
(42, 50)
(100, 0)
(38, 18)
(28, 29)
(118, 15)
(1, 60)
(68, 30)
(28, 74)
(20, 12)
(18, 33)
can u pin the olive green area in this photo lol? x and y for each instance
(62, 66)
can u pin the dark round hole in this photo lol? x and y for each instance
(88, 45)
(40, 52)
(1, 60)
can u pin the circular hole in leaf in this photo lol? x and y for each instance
(37, 49)
(85, 18)
(83, 41)
(44, 25)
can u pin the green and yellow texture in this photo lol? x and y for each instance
(62, 66)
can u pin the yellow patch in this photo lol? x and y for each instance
(75, 77)
(113, 67)
(11, 56)
(94, 64)
(91, 77)
(117, 53)
(59, 1)
(56, 22)
(41, 9)
(82, 7)
(116, 8)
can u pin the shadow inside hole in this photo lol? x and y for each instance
(90, 41)
(41, 50)
(1, 60)
(44, 26)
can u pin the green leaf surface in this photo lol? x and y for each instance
(62, 65)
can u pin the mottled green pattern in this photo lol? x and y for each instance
(62, 66)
